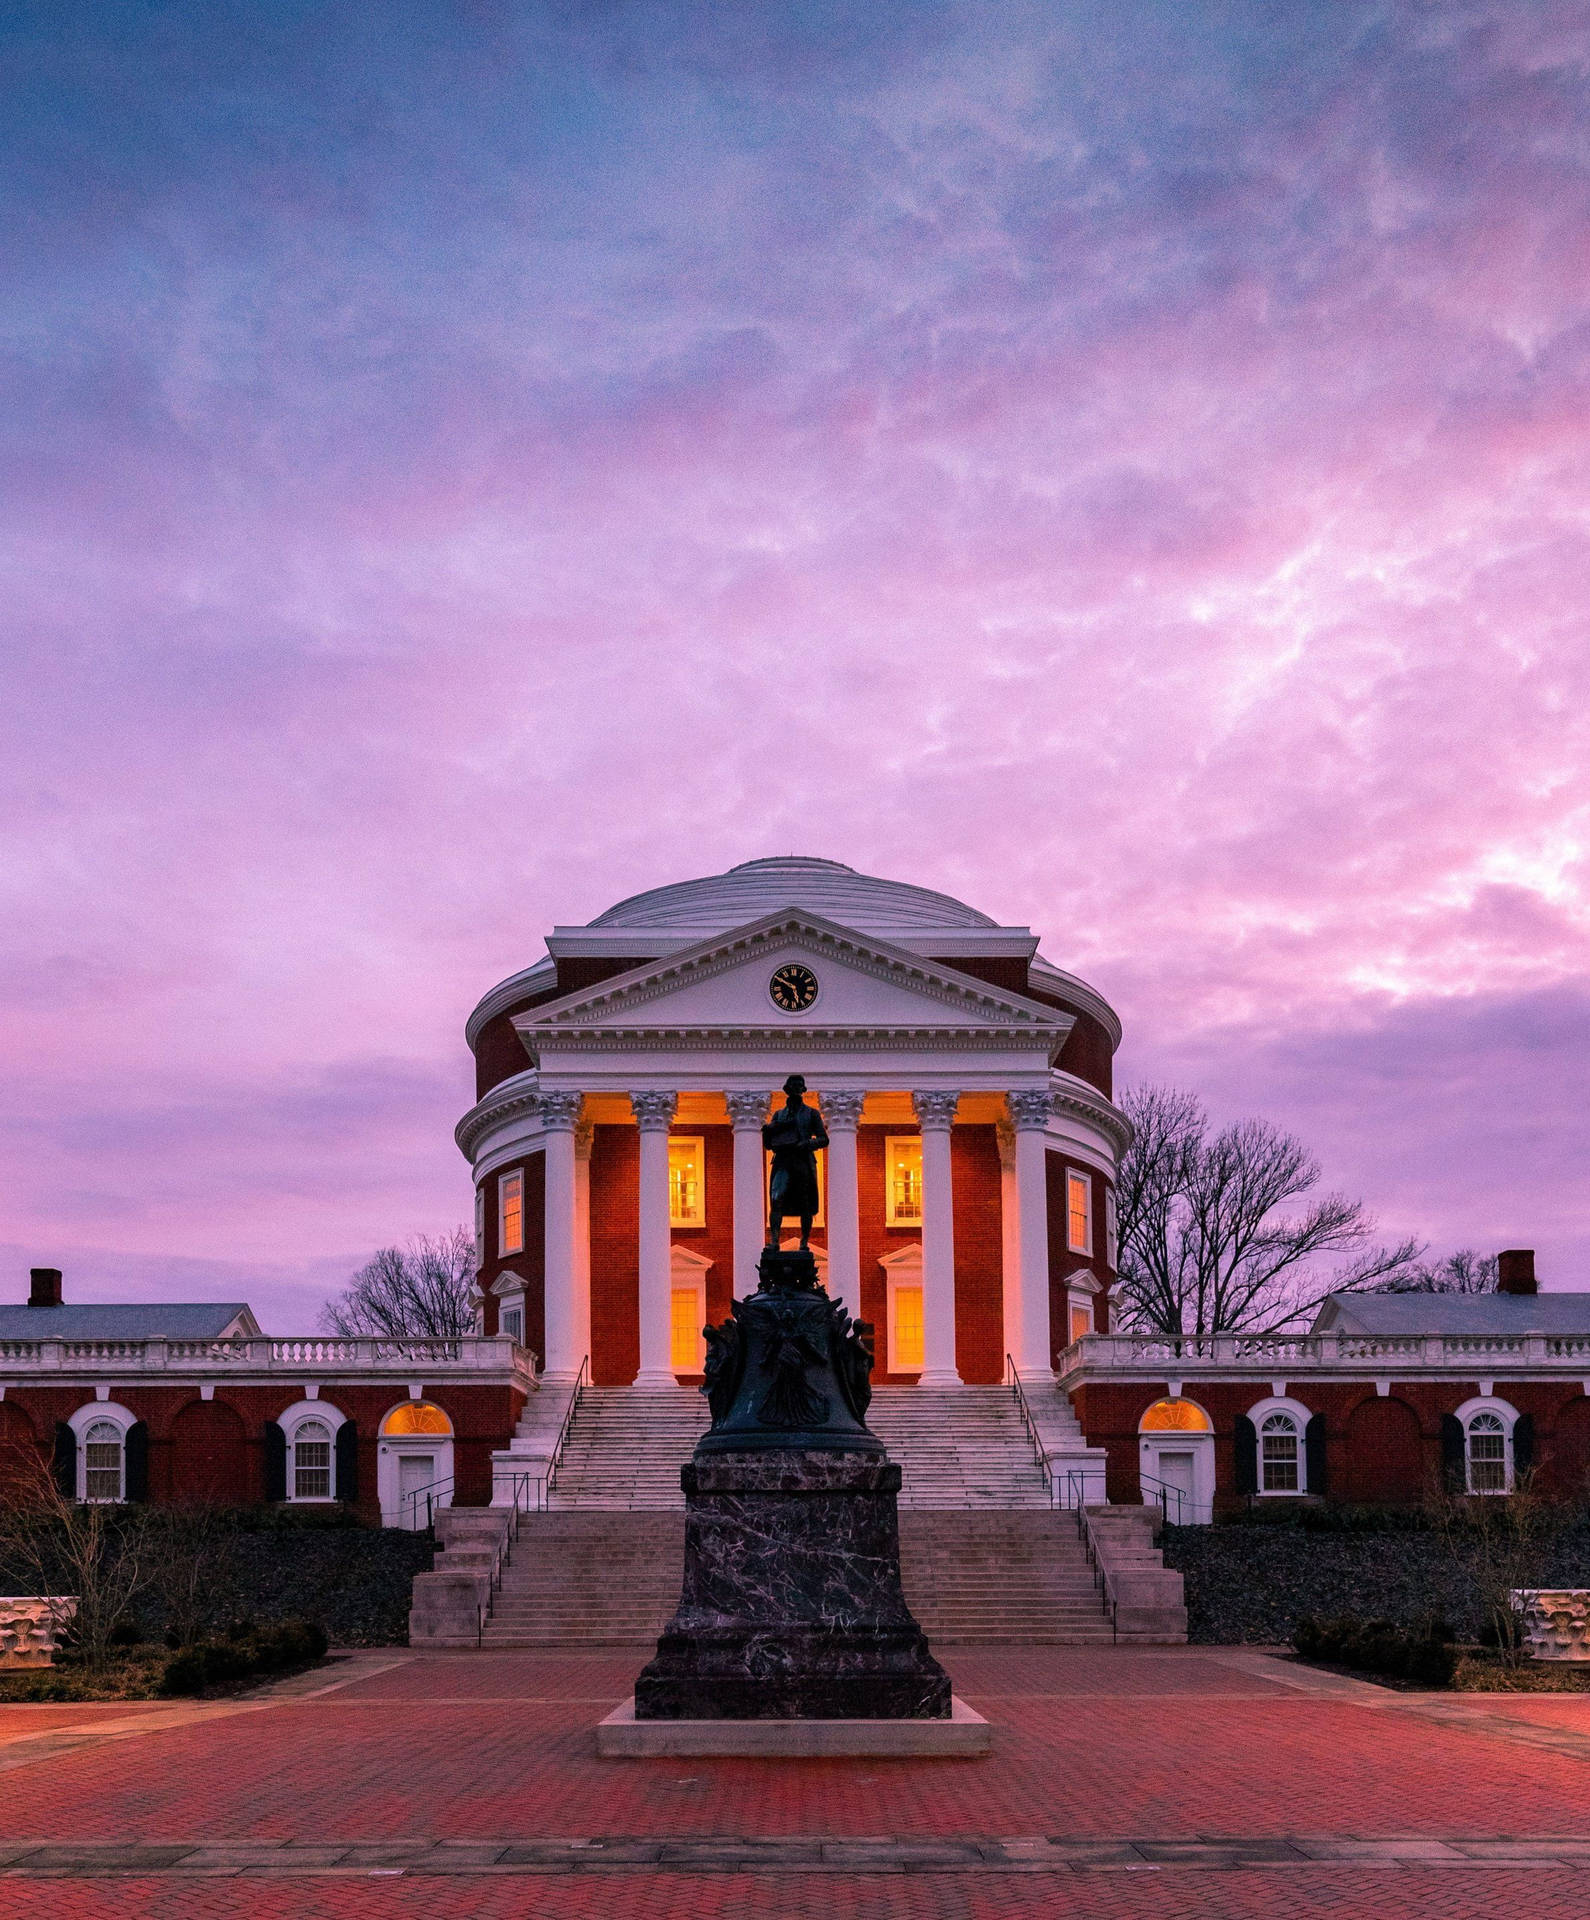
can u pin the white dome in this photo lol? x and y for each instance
(825, 887)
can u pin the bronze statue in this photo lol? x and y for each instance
(793, 1137)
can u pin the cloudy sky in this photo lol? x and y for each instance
(461, 464)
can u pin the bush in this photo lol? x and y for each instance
(1423, 1653)
(245, 1651)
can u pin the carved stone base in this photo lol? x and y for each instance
(792, 1607)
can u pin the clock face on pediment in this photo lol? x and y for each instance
(793, 988)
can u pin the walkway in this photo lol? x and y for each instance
(1125, 1782)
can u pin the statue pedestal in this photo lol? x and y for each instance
(965, 1735)
(792, 1607)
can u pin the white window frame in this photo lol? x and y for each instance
(510, 1289)
(1112, 1232)
(1079, 1176)
(512, 1178)
(480, 1226)
(112, 1413)
(295, 1417)
(1081, 1288)
(687, 1273)
(902, 1268)
(1508, 1415)
(1300, 1416)
(890, 1142)
(697, 1141)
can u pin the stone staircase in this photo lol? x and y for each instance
(984, 1560)
(958, 1448)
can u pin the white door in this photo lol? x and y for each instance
(1176, 1471)
(416, 1472)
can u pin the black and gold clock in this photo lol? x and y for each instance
(793, 988)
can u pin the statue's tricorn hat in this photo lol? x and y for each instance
(795, 1084)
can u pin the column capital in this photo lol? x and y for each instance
(747, 1110)
(935, 1111)
(1030, 1106)
(654, 1111)
(842, 1109)
(561, 1110)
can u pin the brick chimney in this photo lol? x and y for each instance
(46, 1287)
(1515, 1270)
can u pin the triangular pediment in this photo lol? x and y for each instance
(864, 985)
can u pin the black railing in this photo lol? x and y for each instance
(1038, 1453)
(581, 1381)
(1164, 1497)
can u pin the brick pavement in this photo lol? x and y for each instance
(1160, 1745)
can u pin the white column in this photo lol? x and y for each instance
(1030, 1343)
(654, 1114)
(584, 1140)
(935, 1112)
(560, 1113)
(747, 1111)
(1009, 1242)
(841, 1116)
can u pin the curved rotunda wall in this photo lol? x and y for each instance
(691, 910)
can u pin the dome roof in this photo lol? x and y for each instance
(825, 887)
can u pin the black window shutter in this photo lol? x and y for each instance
(1246, 1438)
(1523, 1443)
(275, 1452)
(63, 1460)
(135, 1461)
(1314, 1453)
(1453, 1468)
(348, 1461)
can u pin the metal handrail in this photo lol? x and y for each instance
(1163, 1497)
(581, 1382)
(431, 1493)
(1077, 1487)
(1038, 1452)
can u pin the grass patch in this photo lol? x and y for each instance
(135, 1673)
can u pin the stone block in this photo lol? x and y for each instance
(963, 1734)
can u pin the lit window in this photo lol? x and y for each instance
(1081, 1317)
(1278, 1454)
(1174, 1416)
(687, 1180)
(687, 1349)
(1487, 1450)
(1079, 1212)
(903, 1180)
(102, 1462)
(510, 1212)
(905, 1327)
(416, 1416)
(312, 1461)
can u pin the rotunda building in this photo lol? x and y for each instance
(966, 1195)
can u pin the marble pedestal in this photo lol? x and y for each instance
(792, 1607)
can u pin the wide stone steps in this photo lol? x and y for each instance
(958, 1448)
(593, 1578)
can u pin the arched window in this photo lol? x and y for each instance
(310, 1470)
(104, 1462)
(416, 1416)
(1279, 1450)
(1174, 1416)
(1489, 1468)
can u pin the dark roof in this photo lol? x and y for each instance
(180, 1320)
(1457, 1313)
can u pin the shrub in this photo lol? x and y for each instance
(1423, 1652)
(244, 1651)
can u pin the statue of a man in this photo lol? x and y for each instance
(793, 1137)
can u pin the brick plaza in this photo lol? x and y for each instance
(1163, 1781)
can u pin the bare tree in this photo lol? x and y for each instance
(423, 1288)
(1462, 1272)
(1209, 1239)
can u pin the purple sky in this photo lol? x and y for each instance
(428, 432)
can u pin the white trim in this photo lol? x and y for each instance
(902, 1268)
(296, 1416)
(390, 1448)
(890, 1218)
(101, 1412)
(1198, 1510)
(687, 1273)
(1299, 1415)
(511, 1180)
(1083, 1178)
(1507, 1414)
